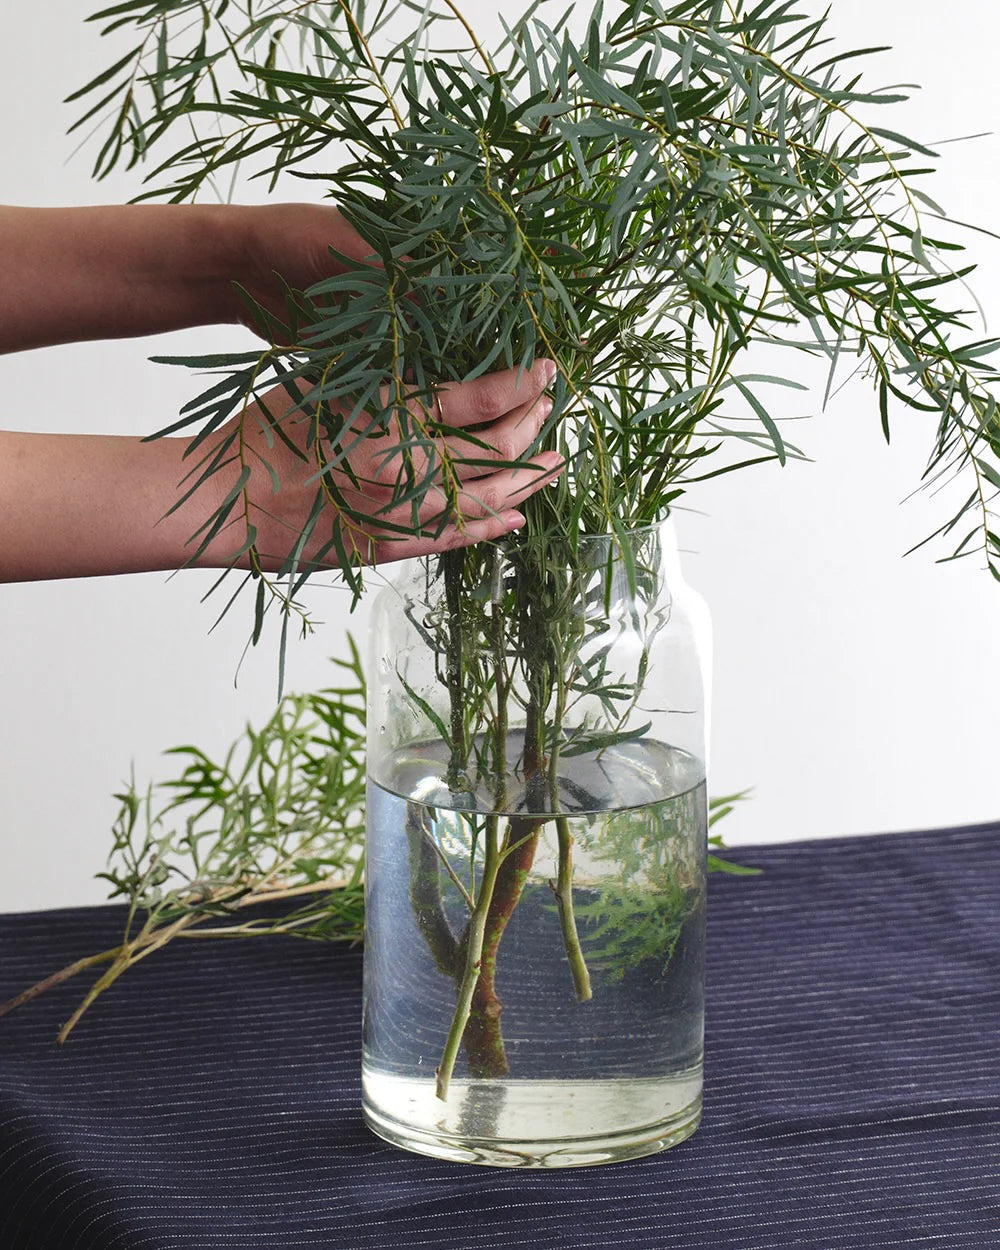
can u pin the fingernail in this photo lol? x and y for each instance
(544, 407)
(549, 371)
(512, 520)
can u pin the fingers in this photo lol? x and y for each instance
(502, 413)
(492, 396)
(485, 529)
(508, 488)
(484, 498)
(493, 420)
(487, 510)
(476, 455)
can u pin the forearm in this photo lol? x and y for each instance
(82, 505)
(72, 274)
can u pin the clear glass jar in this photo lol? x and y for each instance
(535, 870)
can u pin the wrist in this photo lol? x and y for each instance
(212, 249)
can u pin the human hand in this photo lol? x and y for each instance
(291, 240)
(503, 412)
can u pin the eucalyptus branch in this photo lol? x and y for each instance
(562, 889)
(472, 965)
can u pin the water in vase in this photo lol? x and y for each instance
(546, 1075)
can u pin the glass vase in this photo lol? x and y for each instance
(535, 865)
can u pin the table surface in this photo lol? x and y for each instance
(211, 1099)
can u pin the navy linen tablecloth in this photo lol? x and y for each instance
(211, 1100)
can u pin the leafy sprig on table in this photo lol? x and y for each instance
(268, 840)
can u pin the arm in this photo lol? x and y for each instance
(76, 505)
(110, 272)
(116, 271)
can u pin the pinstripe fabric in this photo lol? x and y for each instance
(210, 1102)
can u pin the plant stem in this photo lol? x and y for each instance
(476, 1021)
(57, 978)
(425, 895)
(484, 1044)
(453, 567)
(501, 687)
(563, 891)
(473, 958)
(563, 888)
(127, 955)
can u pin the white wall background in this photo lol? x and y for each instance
(855, 691)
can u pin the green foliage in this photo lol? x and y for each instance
(643, 195)
(641, 915)
(269, 840)
(284, 809)
(718, 809)
(623, 926)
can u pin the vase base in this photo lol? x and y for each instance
(563, 1113)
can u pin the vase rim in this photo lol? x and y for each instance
(609, 535)
(640, 527)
